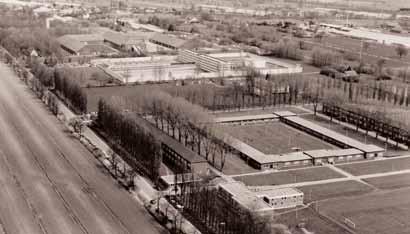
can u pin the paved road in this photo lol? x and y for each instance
(49, 182)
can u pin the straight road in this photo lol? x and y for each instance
(49, 182)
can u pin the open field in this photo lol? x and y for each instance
(390, 182)
(314, 222)
(275, 137)
(332, 190)
(50, 183)
(290, 176)
(335, 126)
(379, 166)
(379, 212)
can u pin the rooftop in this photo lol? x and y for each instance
(332, 153)
(279, 193)
(289, 157)
(284, 113)
(168, 40)
(241, 194)
(335, 135)
(120, 38)
(245, 118)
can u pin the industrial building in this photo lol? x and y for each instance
(190, 65)
(235, 63)
(134, 41)
(85, 44)
(170, 42)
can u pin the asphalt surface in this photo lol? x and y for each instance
(49, 183)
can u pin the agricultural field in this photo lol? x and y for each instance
(390, 182)
(275, 137)
(332, 190)
(335, 126)
(379, 166)
(289, 177)
(377, 212)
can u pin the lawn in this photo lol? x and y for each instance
(289, 177)
(275, 137)
(378, 212)
(335, 126)
(332, 190)
(379, 166)
(390, 182)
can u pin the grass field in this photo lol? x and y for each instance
(379, 212)
(390, 182)
(275, 137)
(314, 223)
(335, 126)
(332, 190)
(289, 177)
(379, 166)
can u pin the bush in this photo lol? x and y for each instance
(323, 57)
(289, 50)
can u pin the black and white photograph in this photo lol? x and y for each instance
(204, 117)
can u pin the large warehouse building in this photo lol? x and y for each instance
(191, 65)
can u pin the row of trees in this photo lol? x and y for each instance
(391, 94)
(143, 150)
(370, 120)
(255, 91)
(64, 84)
(188, 123)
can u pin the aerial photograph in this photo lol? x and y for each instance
(204, 117)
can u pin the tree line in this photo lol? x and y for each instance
(63, 83)
(143, 150)
(369, 120)
(188, 123)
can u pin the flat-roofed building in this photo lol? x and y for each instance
(282, 198)
(345, 142)
(289, 160)
(335, 156)
(237, 194)
(243, 119)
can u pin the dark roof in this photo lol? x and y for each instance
(76, 42)
(168, 40)
(70, 43)
(184, 152)
(119, 38)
